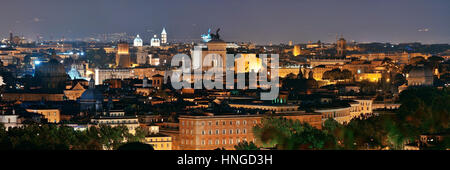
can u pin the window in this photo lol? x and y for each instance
(244, 122)
(238, 122)
(217, 131)
(217, 141)
(210, 142)
(223, 123)
(231, 141)
(237, 131)
(217, 123)
(224, 131)
(203, 132)
(210, 132)
(231, 131)
(224, 142)
(203, 142)
(231, 122)
(244, 131)
(209, 123)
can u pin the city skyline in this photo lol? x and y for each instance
(298, 21)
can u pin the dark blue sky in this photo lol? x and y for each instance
(260, 21)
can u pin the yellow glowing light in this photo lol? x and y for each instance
(296, 50)
(252, 63)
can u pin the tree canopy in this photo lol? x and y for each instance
(337, 74)
(287, 134)
(54, 137)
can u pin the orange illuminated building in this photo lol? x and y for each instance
(52, 115)
(32, 96)
(217, 131)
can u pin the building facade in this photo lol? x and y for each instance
(225, 131)
(52, 115)
(211, 132)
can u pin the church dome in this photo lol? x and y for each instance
(138, 41)
(51, 74)
(155, 41)
(420, 72)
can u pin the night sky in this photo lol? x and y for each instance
(260, 21)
